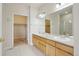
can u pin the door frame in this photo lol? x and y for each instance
(28, 22)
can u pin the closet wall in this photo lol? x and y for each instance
(20, 27)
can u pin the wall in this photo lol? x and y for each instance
(4, 27)
(76, 28)
(0, 20)
(47, 8)
(0, 28)
(19, 31)
(34, 22)
(8, 16)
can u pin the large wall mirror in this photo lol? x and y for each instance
(66, 23)
(61, 22)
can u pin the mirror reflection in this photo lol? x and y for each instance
(66, 23)
(60, 23)
(47, 25)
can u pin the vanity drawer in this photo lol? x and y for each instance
(65, 48)
(42, 39)
(51, 42)
(34, 36)
(61, 53)
(39, 38)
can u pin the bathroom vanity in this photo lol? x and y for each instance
(52, 45)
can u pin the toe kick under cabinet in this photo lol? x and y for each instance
(51, 48)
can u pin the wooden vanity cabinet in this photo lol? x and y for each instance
(52, 48)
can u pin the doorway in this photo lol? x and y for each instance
(20, 30)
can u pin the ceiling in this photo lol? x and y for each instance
(37, 5)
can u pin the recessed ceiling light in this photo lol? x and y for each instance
(58, 5)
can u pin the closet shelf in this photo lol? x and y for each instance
(20, 24)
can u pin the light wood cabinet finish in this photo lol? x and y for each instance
(42, 47)
(34, 41)
(65, 48)
(52, 48)
(47, 26)
(37, 41)
(51, 42)
(61, 53)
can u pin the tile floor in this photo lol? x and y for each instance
(24, 50)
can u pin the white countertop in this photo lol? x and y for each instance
(65, 40)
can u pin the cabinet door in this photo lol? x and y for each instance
(42, 46)
(61, 53)
(65, 48)
(34, 41)
(50, 50)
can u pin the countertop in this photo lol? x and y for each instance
(62, 39)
